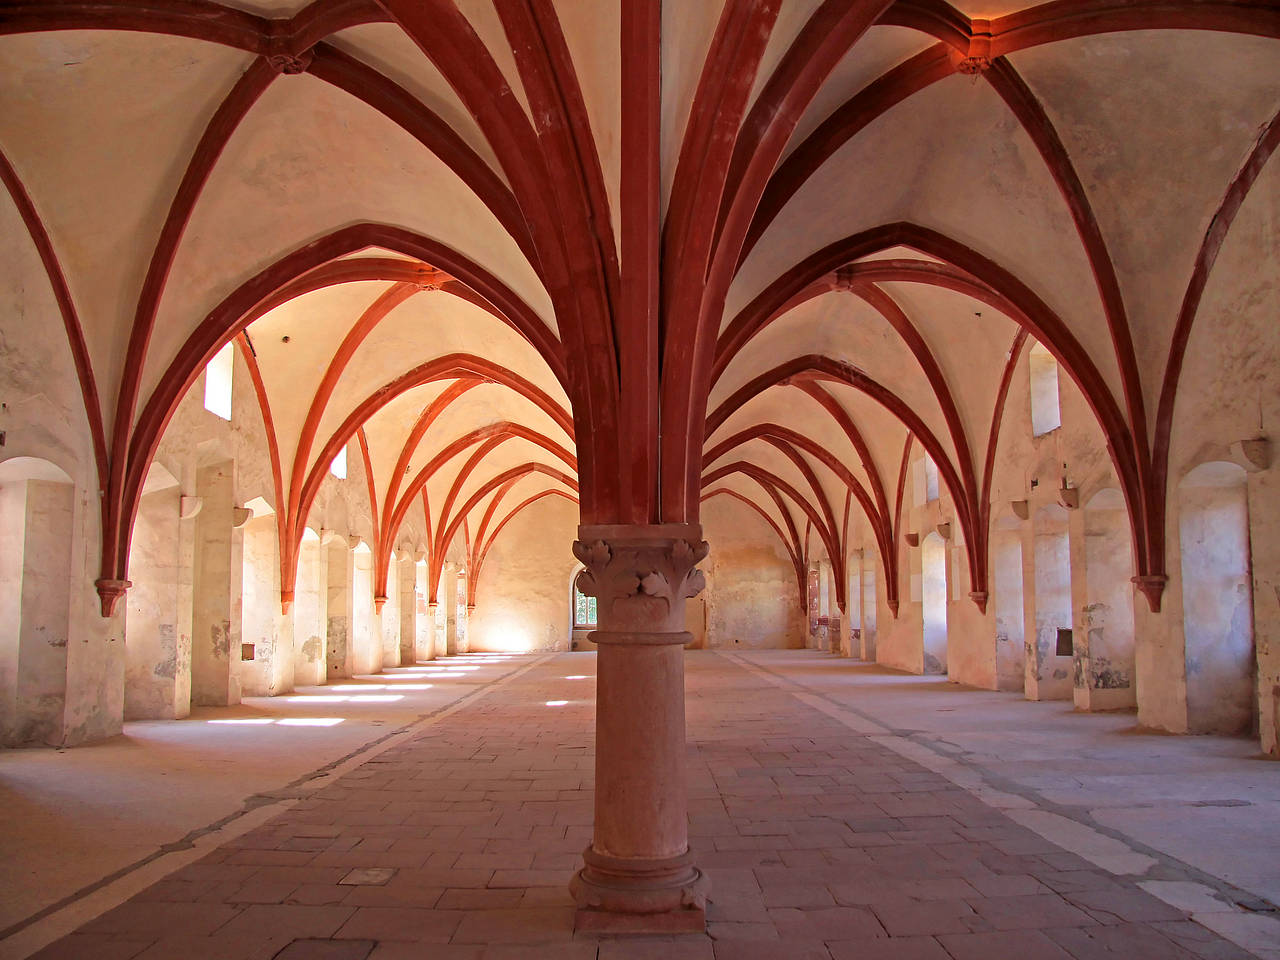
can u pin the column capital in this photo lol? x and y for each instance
(640, 573)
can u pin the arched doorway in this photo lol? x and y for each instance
(37, 508)
(933, 596)
(1217, 599)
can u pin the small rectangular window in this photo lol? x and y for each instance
(1066, 646)
(217, 382)
(584, 609)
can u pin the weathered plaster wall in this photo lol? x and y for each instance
(43, 416)
(1217, 615)
(157, 644)
(1230, 391)
(310, 614)
(1048, 672)
(752, 598)
(1008, 603)
(13, 522)
(213, 681)
(265, 634)
(522, 598)
(1103, 671)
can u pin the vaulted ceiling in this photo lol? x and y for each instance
(880, 204)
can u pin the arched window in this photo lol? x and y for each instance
(584, 610)
(1046, 414)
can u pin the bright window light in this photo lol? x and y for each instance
(339, 466)
(377, 698)
(239, 721)
(310, 722)
(1046, 413)
(217, 383)
(576, 676)
(556, 703)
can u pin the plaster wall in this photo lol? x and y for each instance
(752, 599)
(1217, 610)
(1264, 517)
(36, 629)
(1007, 602)
(1229, 391)
(852, 642)
(388, 622)
(310, 614)
(270, 669)
(366, 634)
(971, 652)
(95, 647)
(157, 636)
(522, 596)
(871, 578)
(901, 638)
(43, 416)
(339, 576)
(407, 610)
(213, 681)
(1048, 674)
(449, 603)
(1103, 669)
(13, 523)
(425, 624)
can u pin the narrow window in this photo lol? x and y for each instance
(217, 383)
(1046, 414)
(930, 479)
(339, 466)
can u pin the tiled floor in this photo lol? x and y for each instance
(820, 843)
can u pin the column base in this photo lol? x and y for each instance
(617, 895)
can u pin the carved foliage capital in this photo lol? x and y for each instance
(641, 584)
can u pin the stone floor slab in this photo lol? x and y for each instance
(821, 842)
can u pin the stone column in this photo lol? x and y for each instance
(639, 876)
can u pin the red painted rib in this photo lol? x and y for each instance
(67, 308)
(288, 556)
(1206, 257)
(243, 95)
(697, 191)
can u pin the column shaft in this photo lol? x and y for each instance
(638, 875)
